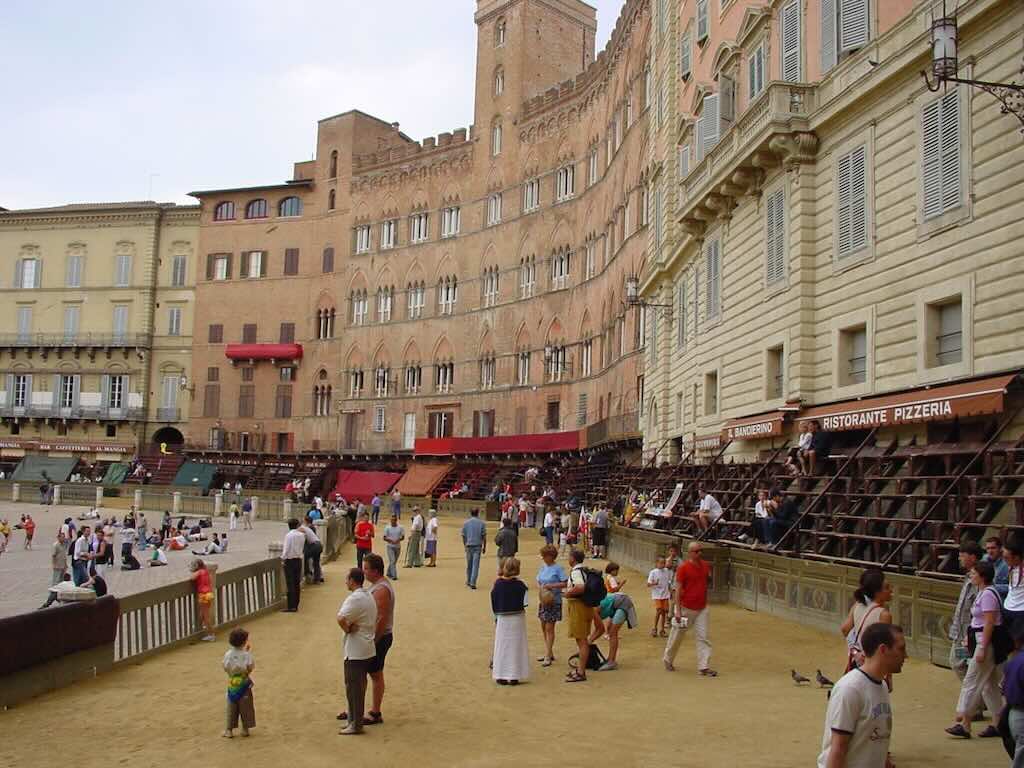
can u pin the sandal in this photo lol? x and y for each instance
(959, 731)
(373, 718)
(575, 677)
(546, 662)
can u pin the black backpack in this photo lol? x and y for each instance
(594, 590)
(595, 659)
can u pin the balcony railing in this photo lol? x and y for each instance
(71, 341)
(614, 428)
(168, 414)
(379, 444)
(78, 412)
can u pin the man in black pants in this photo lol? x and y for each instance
(291, 556)
(311, 553)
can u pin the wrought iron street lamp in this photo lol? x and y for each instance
(945, 44)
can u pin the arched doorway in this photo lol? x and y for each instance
(168, 435)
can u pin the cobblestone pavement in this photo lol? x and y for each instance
(25, 574)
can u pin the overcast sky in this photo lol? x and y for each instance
(129, 100)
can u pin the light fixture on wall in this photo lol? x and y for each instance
(184, 386)
(945, 44)
(633, 298)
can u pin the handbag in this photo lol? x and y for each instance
(855, 654)
(547, 596)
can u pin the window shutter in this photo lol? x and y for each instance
(712, 122)
(56, 390)
(209, 266)
(9, 393)
(775, 237)
(853, 24)
(727, 107)
(18, 272)
(105, 390)
(949, 131)
(852, 202)
(243, 260)
(227, 272)
(702, 20)
(681, 312)
(28, 390)
(696, 300)
(328, 265)
(38, 274)
(700, 137)
(791, 42)
(752, 76)
(828, 35)
(76, 390)
(685, 56)
(714, 278)
(931, 159)
(684, 161)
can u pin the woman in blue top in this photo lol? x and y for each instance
(551, 579)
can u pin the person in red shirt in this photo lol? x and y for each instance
(691, 610)
(364, 534)
(30, 530)
(204, 596)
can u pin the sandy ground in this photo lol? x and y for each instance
(442, 709)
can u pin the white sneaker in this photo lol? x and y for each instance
(208, 638)
(608, 666)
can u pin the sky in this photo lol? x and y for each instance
(127, 100)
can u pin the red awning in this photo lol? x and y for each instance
(354, 485)
(754, 427)
(263, 352)
(544, 443)
(970, 398)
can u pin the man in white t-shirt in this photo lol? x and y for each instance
(858, 722)
(357, 618)
(708, 512)
(431, 539)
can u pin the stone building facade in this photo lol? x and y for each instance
(837, 233)
(97, 304)
(467, 285)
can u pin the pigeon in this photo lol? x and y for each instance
(823, 682)
(797, 677)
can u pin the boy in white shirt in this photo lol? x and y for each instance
(660, 582)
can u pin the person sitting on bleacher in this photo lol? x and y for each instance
(709, 511)
(785, 514)
(821, 444)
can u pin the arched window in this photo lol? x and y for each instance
(332, 172)
(330, 200)
(224, 211)
(499, 81)
(289, 206)
(499, 33)
(496, 139)
(256, 209)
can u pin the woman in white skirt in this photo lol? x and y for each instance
(511, 663)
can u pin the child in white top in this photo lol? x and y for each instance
(239, 664)
(660, 582)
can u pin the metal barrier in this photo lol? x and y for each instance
(161, 618)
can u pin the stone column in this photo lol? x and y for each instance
(137, 500)
(176, 506)
(99, 496)
(56, 494)
(218, 505)
(287, 506)
(16, 492)
(255, 501)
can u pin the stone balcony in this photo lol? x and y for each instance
(79, 413)
(772, 132)
(90, 343)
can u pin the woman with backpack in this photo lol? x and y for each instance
(988, 644)
(585, 592)
(869, 607)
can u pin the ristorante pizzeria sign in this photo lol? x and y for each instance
(940, 404)
(898, 414)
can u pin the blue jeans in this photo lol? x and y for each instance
(549, 534)
(80, 572)
(1017, 731)
(472, 563)
(393, 561)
